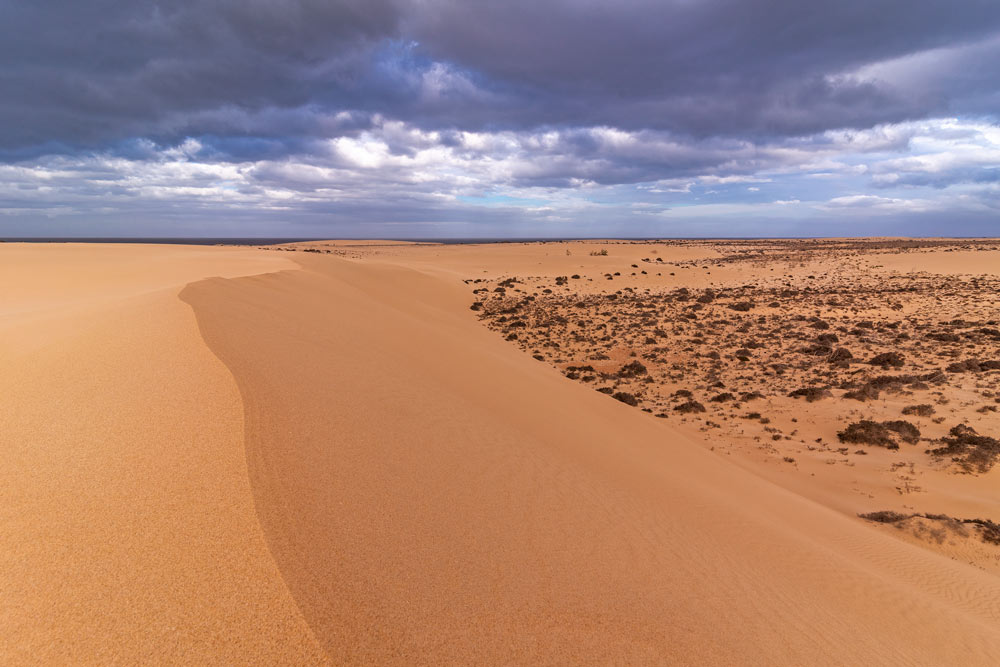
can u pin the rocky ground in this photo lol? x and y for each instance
(815, 356)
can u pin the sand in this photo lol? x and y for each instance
(126, 517)
(240, 455)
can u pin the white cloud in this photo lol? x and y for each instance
(880, 204)
(395, 166)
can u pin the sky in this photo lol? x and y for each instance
(522, 118)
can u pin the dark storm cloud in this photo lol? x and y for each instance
(704, 66)
(88, 74)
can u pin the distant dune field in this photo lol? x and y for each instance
(229, 455)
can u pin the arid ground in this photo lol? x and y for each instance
(587, 452)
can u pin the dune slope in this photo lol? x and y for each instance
(431, 495)
(127, 523)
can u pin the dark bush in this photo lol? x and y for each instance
(907, 432)
(626, 398)
(973, 452)
(811, 394)
(841, 354)
(632, 369)
(887, 359)
(867, 392)
(867, 432)
(885, 516)
(969, 365)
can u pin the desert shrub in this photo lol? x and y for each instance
(689, 407)
(921, 410)
(811, 394)
(841, 354)
(632, 369)
(867, 432)
(988, 530)
(864, 393)
(969, 365)
(603, 252)
(907, 432)
(626, 398)
(885, 516)
(973, 452)
(891, 382)
(886, 359)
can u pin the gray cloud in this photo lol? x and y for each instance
(716, 66)
(86, 74)
(522, 113)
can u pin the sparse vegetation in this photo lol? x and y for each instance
(626, 398)
(867, 432)
(707, 352)
(689, 407)
(887, 359)
(971, 451)
(987, 530)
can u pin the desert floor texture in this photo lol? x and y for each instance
(586, 452)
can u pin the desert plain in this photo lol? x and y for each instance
(574, 452)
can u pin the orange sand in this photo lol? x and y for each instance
(126, 518)
(374, 477)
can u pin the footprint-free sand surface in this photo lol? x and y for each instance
(236, 455)
(127, 521)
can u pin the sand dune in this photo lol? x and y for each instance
(433, 495)
(127, 522)
(214, 455)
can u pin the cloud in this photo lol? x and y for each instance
(432, 111)
(83, 75)
(875, 203)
